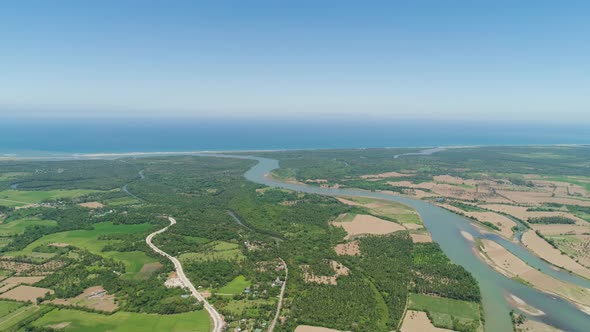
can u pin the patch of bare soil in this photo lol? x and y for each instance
(348, 249)
(95, 297)
(504, 223)
(60, 326)
(557, 229)
(421, 238)
(364, 224)
(339, 270)
(25, 293)
(534, 326)
(415, 321)
(23, 280)
(576, 245)
(543, 249)
(92, 205)
(59, 245)
(385, 175)
(149, 269)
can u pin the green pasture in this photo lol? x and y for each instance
(18, 226)
(88, 239)
(197, 321)
(24, 197)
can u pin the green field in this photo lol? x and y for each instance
(578, 180)
(216, 250)
(236, 286)
(443, 310)
(121, 201)
(247, 307)
(7, 307)
(21, 197)
(10, 319)
(125, 321)
(18, 226)
(88, 239)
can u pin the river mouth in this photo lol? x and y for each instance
(449, 230)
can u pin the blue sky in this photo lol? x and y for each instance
(475, 60)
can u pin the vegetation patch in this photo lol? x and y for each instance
(125, 321)
(18, 226)
(551, 220)
(447, 313)
(21, 197)
(236, 286)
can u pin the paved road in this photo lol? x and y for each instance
(218, 323)
(280, 304)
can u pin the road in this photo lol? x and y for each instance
(218, 323)
(280, 304)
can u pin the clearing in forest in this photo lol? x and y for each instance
(364, 224)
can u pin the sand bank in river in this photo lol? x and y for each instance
(511, 266)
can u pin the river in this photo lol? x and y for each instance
(445, 228)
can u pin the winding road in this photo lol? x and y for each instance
(218, 323)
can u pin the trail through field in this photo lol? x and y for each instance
(280, 304)
(218, 323)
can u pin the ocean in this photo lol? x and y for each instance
(44, 137)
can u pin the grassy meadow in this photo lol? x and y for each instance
(74, 320)
(22, 197)
(88, 239)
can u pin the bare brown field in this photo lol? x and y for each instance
(307, 328)
(58, 245)
(417, 321)
(521, 213)
(533, 197)
(94, 298)
(25, 293)
(558, 229)
(149, 269)
(576, 245)
(421, 238)
(483, 192)
(511, 266)
(339, 270)
(543, 249)
(385, 175)
(364, 224)
(348, 202)
(23, 280)
(455, 180)
(348, 249)
(504, 223)
(92, 205)
(5, 286)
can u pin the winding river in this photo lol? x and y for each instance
(446, 228)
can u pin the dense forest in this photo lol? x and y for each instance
(228, 228)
